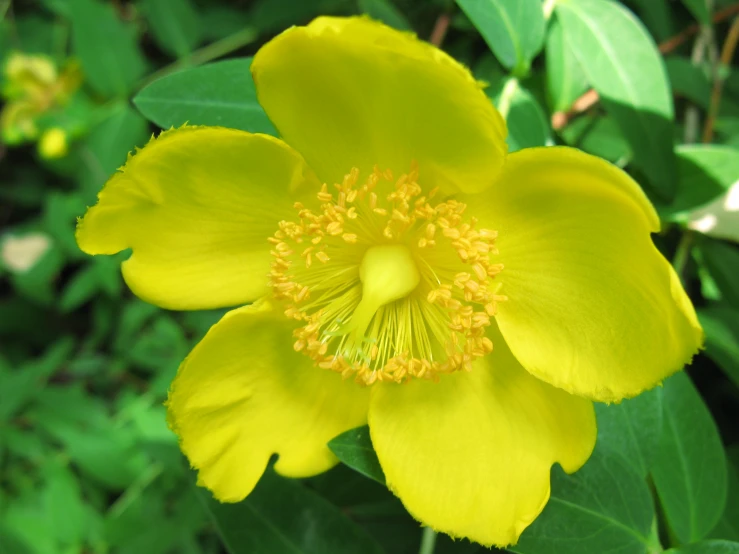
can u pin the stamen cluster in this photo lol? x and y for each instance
(438, 328)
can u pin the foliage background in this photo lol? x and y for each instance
(87, 464)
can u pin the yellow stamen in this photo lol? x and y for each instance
(403, 288)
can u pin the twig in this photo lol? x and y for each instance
(692, 115)
(682, 253)
(440, 28)
(590, 98)
(506, 97)
(727, 53)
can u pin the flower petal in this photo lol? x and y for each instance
(351, 92)
(471, 455)
(196, 205)
(593, 307)
(244, 394)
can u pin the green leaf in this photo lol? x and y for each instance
(625, 68)
(175, 24)
(18, 387)
(220, 93)
(63, 506)
(81, 288)
(354, 448)
(385, 11)
(513, 29)
(706, 171)
(106, 47)
(689, 80)
(605, 507)
(566, 81)
(106, 147)
(699, 9)
(728, 525)
(689, 469)
(527, 123)
(598, 135)
(281, 515)
(707, 547)
(722, 261)
(719, 323)
(632, 428)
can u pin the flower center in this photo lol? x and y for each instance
(387, 284)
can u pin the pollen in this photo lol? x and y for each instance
(386, 283)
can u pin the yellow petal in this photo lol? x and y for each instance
(196, 206)
(351, 92)
(244, 394)
(593, 307)
(471, 455)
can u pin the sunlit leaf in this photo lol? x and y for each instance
(623, 64)
(514, 29)
(566, 80)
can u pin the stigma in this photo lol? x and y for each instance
(384, 282)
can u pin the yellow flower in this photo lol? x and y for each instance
(405, 273)
(53, 144)
(33, 86)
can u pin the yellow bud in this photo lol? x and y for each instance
(53, 144)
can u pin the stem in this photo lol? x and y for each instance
(680, 260)
(727, 53)
(440, 28)
(692, 115)
(206, 54)
(428, 541)
(504, 104)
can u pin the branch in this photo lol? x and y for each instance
(727, 53)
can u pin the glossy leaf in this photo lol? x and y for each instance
(566, 80)
(722, 261)
(728, 525)
(513, 29)
(632, 428)
(108, 49)
(175, 24)
(721, 325)
(281, 515)
(605, 507)
(706, 171)
(354, 448)
(221, 93)
(624, 66)
(527, 123)
(598, 135)
(689, 470)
